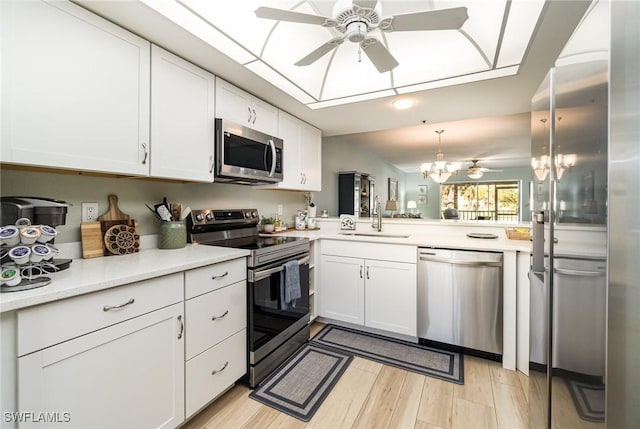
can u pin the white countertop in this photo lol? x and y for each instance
(458, 241)
(90, 275)
(574, 241)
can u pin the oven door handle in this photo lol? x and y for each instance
(263, 274)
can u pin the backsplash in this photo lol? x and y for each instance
(134, 193)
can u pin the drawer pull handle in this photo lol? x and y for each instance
(214, 372)
(114, 307)
(181, 327)
(220, 317)
(226, 273)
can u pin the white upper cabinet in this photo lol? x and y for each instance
(302, 162)
(310, 156)
(75, 90)
(240, 107)
(182, 118)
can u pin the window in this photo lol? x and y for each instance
(483, 200)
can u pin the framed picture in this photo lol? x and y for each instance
(393, 189)
(422, 194)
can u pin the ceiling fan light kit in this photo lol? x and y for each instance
(358, 18)
(476, 172)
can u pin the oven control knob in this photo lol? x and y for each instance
(247, 215)
(254, 214)
(209, 216)
(199, 217)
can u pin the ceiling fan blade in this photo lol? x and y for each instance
(370, 4)
(290, 16)
(443, 19)
(378, 54)
(320, 52)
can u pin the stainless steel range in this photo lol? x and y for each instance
(276, 328)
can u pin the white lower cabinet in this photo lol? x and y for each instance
(215, 370)
(128, 375)
(390, 297)
(379, 294)
(216, 322)
(342, 289)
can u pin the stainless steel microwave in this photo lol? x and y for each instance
(246, 156)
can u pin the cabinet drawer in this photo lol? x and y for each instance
(229, 361)
(212, 317)
(48, 324)
(367, 250)
(206, 279)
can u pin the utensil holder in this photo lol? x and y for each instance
(173, 235)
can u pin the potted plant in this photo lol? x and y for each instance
(267, 224)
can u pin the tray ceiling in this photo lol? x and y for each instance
(491, 43)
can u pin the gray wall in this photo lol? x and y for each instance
(338, 154)
(134, 193)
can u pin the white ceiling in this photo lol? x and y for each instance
(477, 39)
(487, 120)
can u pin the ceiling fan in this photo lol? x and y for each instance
(475, 171)
(357, 20)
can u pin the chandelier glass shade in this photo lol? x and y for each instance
(542, 165)
(439, 170)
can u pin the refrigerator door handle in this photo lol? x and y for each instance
(538, 243)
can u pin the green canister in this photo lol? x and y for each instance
(173, 235)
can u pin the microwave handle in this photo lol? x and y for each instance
(273, 157)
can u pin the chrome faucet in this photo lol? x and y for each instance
(377, 221)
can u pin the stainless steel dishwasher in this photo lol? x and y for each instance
(460, 298)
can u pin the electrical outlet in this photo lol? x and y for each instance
(89, 212)
(280, 210)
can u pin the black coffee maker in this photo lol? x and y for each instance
(40, 211)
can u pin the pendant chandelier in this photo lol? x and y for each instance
(542, 165)
(439, 170)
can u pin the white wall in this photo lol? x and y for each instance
(134, 193)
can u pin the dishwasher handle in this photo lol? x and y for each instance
(460, 261)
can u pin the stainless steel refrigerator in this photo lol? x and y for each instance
(623, 293)
(568, 277)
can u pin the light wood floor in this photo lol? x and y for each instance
(372, 395)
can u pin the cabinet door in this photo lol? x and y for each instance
(289, 132)
(127, 375)
(310, 157)
(233, 104)
(240, 107)
(182, 118)
(75, 90)
(390, 296)
(265, 117)
(343, 289)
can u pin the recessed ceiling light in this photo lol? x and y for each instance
(403, 103)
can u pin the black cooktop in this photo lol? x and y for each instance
(254, 242)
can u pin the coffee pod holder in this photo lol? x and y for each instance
(19, 272)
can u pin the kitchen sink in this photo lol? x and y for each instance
(375, 234)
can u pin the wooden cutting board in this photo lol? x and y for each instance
(92, 244)
(114, 212)
(93, 233)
